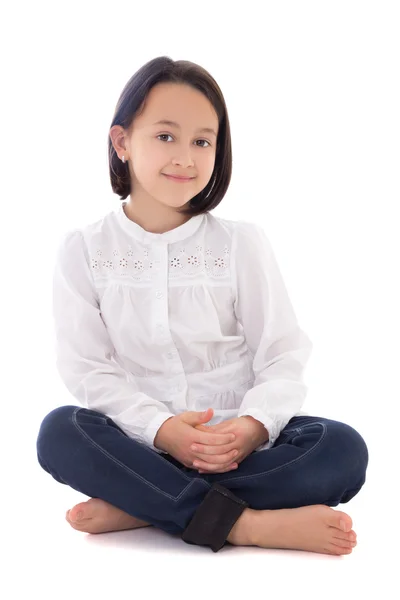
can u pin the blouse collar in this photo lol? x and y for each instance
(174, 235)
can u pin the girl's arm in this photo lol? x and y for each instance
(279, 347)
(84, 350)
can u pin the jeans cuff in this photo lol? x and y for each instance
(214, 518)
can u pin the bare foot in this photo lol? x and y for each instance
(316, 528)
(99, 516)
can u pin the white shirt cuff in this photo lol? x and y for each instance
(269, 424)
(151, 430)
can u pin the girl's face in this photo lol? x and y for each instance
(155, 149)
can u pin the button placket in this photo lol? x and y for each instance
(161, 286)
(178, 383)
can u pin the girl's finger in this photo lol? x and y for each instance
(212, 467)
(231, 467)
(216, 428)
(215, 459)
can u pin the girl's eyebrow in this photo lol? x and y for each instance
(174, 124)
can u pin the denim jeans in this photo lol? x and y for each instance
(314, 461)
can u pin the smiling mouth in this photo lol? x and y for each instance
(178, 178)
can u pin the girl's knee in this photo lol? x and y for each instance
(351, 445)
(53, 428)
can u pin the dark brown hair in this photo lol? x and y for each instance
(131, 103)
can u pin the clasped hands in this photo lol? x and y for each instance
(249, 433)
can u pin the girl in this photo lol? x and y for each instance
(167, 319)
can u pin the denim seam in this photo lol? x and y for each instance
(201, 480)
(161, 492)
(288, 432)
(146, 448)
(143, 445)
(294, 461)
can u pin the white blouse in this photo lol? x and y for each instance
(149, 325)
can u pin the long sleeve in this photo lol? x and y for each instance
(84, 350)
(279, 348)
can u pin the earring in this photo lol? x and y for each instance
(123, 159)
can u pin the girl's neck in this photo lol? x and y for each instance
(153, 216)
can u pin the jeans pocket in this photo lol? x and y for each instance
(87, 415)
(285, 436)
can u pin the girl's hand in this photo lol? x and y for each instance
(249, 432)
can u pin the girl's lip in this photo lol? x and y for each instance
(178, 178)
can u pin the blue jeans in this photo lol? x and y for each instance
(314, 461)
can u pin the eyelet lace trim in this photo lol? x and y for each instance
(140, 265)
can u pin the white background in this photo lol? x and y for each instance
(313, 96)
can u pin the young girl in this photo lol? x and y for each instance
(176, 335)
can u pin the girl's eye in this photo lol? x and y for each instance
(168, 135)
